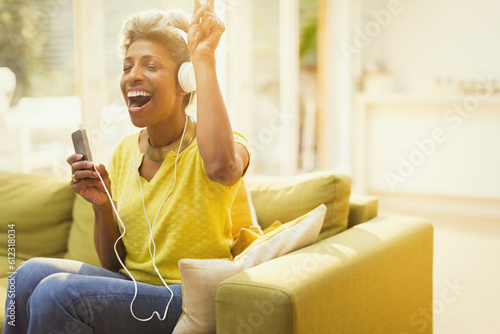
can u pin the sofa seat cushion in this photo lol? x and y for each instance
(285, 198)
(40, 208)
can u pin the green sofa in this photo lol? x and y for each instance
(365, 274)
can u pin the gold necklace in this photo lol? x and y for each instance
(160, 153)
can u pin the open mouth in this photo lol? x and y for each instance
(138, 99)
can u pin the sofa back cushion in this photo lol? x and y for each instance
(285, 198)
(40, 207)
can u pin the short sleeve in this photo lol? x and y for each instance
(240, 139)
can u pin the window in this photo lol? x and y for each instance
(38, 105)
(268, 65)
(263, 72)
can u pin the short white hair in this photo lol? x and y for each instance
(159, 25)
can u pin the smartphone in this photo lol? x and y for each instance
(81, 144)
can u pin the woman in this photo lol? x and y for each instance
(173, 184)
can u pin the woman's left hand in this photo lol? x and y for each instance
(205, 30)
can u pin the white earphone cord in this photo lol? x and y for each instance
(151, 229)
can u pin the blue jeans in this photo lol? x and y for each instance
(63, 296)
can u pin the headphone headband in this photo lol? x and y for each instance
(186, 76)
(183, 34)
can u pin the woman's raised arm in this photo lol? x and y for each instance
(224, 159)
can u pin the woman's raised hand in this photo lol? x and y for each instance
(205, 30)
(86, 182)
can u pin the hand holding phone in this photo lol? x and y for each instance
(85, 174)
(81, 144)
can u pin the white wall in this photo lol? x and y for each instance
(425, 40)
(421, 146)
(436, 38)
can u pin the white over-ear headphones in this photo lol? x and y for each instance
(186, 76)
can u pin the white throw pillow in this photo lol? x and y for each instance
(201, 277)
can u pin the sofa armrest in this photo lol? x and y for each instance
(361, 209)
(372, 278)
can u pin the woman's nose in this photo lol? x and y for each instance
(135, 74)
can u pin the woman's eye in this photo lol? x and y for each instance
(126, 68)
(151, 67)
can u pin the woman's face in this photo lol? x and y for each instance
(149, 83)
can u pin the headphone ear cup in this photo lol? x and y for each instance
(186, 77)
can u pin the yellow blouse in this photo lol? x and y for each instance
(194, 221)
